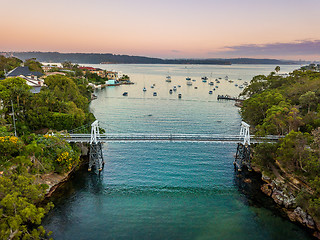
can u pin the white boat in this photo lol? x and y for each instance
(241, 86)
(152, 86)
(168, 78)
(144, 89)
(189, 83)
(174, 88)
(245, 83)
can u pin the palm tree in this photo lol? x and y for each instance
(277, 69)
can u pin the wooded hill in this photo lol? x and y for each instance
(288, 106)
(96, 58)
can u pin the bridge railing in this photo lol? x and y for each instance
(166, 137)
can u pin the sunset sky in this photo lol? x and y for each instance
(286, 29)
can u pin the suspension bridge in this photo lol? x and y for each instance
(95, 139)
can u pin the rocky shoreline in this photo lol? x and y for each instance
(282, 194)
(55, 181)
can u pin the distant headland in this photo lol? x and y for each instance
(108, 58)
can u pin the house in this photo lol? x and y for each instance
(98, 71)
(112, 75)
(47, 68)
(24, 71)
(32, 78)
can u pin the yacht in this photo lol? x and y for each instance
(168, 78)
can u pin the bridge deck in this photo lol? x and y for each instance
(147, 137)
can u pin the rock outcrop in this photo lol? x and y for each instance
(278, 191)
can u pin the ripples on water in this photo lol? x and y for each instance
(166, 190)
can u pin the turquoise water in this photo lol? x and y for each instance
(167, 190)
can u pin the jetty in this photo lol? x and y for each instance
(227, 97)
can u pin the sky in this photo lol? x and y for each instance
(283, 29)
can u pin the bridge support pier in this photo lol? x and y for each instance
(95, 155)
(242, 157)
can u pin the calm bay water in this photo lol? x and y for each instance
(167, 190)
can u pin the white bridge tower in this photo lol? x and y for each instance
(95, 156)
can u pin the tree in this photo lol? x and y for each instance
(16, 91)
(18, 196)
(34, 66)
(294, 154)
(308, 100)
(8, 64)
(277, 69)
(255, 108)
(67, 64)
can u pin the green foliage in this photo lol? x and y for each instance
(288, 106)
(264, 154)
(280, 120)
(10, 147)
(8, 64)
(255, 108)
(62, 105)
(294, 154)
(308, 100)
(18, 210)
(34, 66)
(95, 78)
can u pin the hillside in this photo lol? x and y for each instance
(96, 58)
